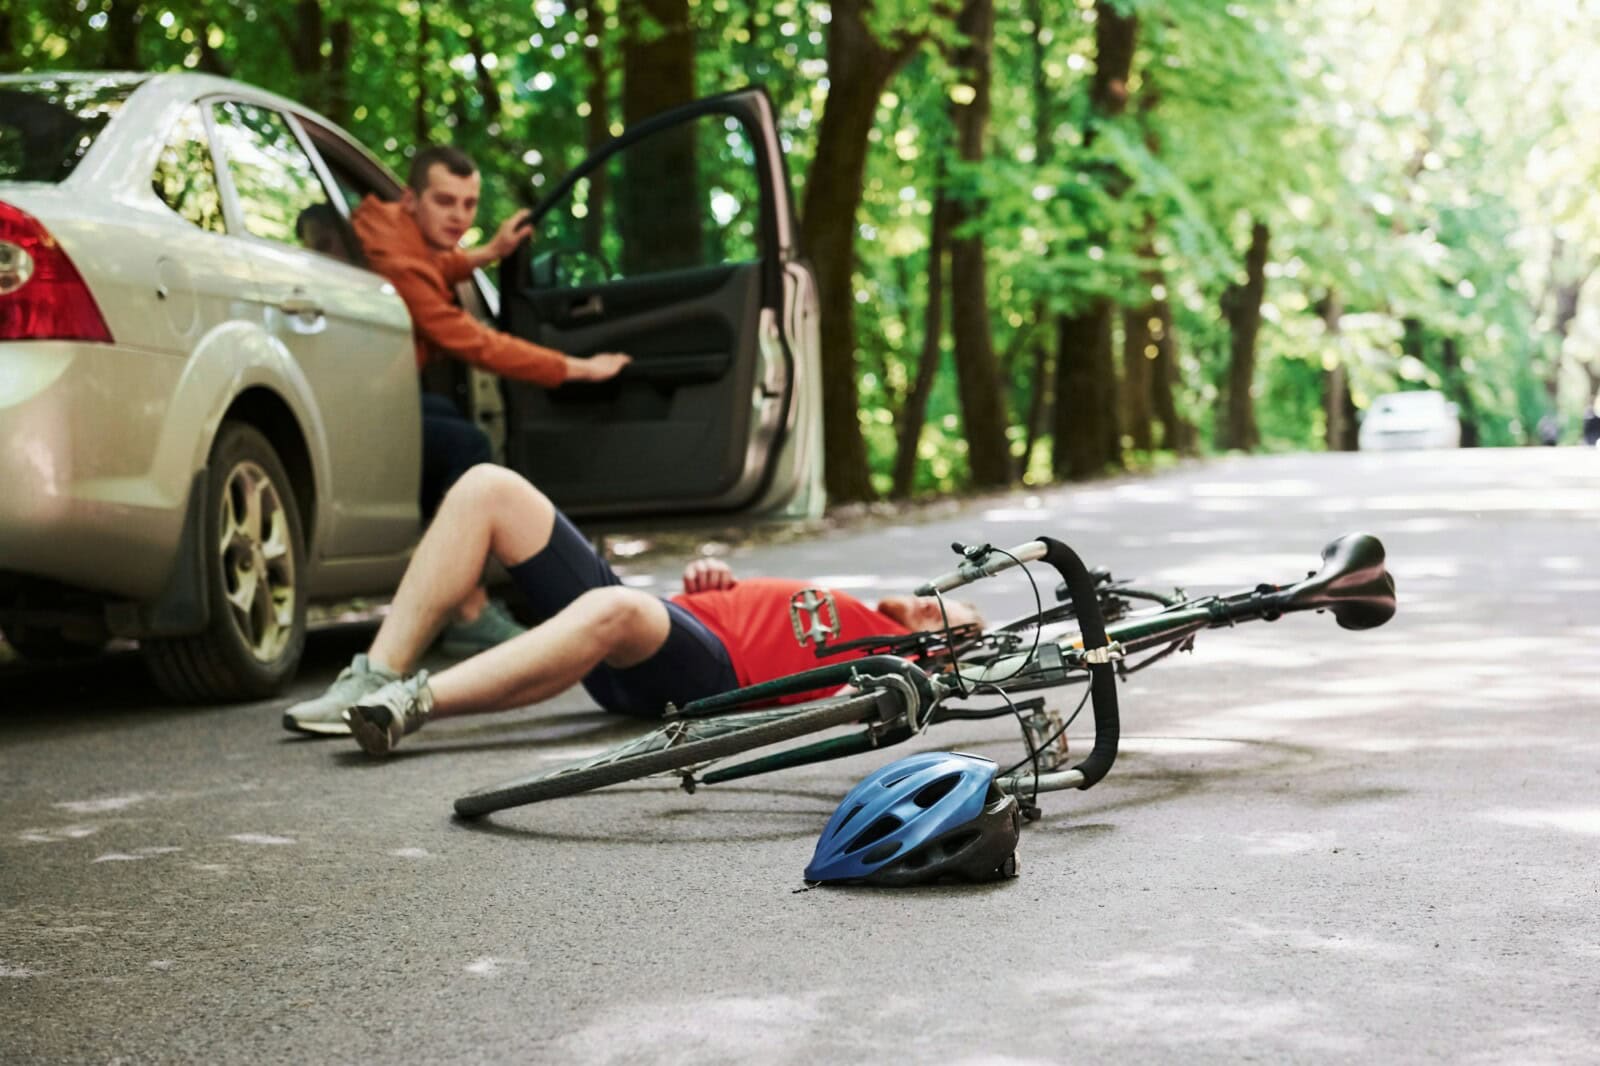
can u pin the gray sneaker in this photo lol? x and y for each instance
(494, 625)
(398, 708)
(324, 716)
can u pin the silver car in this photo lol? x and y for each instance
(1422, 418)
(209, 407)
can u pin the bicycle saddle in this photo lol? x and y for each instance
(1352, 583)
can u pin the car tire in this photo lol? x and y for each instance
(254, 557)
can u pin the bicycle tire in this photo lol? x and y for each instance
(569, 780)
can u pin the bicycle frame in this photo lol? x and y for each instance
(1352, 583)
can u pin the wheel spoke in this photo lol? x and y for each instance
(241, 593)
(257, 556)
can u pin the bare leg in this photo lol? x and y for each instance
(470, 608)
(618, 626)
(490, 511)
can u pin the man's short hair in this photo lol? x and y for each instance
(454, 160)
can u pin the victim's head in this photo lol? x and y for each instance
(442, 195)
(921, 613)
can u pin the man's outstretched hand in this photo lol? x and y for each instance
(707, 575)
(602, 366)
(512, 232)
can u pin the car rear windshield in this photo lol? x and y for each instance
(47, 124)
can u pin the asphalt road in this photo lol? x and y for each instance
(1317, 846)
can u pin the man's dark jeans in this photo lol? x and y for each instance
(451, 445)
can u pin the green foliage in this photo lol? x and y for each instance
(1417, 173)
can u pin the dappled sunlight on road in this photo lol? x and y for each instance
(1584, 820)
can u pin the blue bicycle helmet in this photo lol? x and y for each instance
(920, 819)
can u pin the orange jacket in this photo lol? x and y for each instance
(424, 278)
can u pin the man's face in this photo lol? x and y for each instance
(921, 613)
(445, 209)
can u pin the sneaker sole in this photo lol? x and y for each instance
(314, 728)
(373, 739)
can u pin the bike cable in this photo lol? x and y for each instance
(1044, 745)
(1031, 810)
(1027, 660)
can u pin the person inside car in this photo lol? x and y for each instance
(632, 652)
(415, 244)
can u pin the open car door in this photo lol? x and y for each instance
(674, 243)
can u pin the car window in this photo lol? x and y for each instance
(280, 195)
(352, 188)
(47, 124)
(184, 178)
(685, 197)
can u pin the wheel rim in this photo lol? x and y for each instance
(258, 578)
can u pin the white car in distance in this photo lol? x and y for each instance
(1417, 419)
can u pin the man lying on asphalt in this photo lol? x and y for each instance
(633, 652)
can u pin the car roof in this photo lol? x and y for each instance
(118, 158)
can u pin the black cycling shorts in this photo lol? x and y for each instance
(692, 663)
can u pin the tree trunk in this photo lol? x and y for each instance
(656, 73)
(1138, 371)
(915, 411)
(859, 67)
(123, 18)
(1338, 406)
(658, 202)
(340, 39)
(1241, 305)
(1566, 309)
(1083, 346)
(982, 408)
(8, 42)
(488, 91)
(1457, 390)
(1176, 434)
(1088, 436)
(596, 124)
(421, 127)
(1040, 380)
(1039, 389)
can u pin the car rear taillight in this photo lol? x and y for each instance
(42, 295)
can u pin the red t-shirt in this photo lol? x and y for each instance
(752, 621)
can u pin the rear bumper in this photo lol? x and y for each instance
(85, 497)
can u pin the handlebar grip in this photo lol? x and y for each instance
(992, 563)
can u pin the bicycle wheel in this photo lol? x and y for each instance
(680, 744)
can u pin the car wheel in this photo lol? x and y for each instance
(255, 577)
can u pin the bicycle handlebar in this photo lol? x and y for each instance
(1102, 679)
(982, 561)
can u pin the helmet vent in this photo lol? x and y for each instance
(882, 851)
(853, 812)
(930, 794)
(875, 832)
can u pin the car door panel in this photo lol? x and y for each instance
(695, 423)
(671, 427)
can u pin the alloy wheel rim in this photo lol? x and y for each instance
(258, 578)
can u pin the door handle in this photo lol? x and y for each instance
(587, 308)
(300, 304)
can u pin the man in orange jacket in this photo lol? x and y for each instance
(415, 244)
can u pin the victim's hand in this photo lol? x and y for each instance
(707, 575)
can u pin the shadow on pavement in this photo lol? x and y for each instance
(116, 682)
